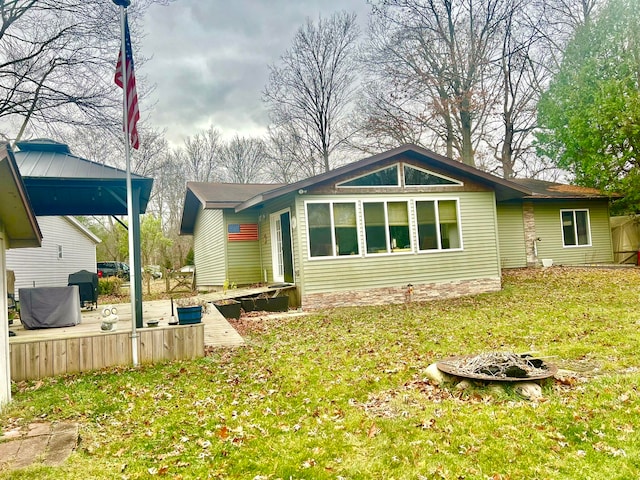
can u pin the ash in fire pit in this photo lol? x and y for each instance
(498, 366)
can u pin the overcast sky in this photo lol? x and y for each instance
(209, 59)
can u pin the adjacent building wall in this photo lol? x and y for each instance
(65, 249)
(5, 373)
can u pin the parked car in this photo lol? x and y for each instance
(113, 269)
(154, 270)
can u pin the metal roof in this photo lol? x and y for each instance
(59, 183)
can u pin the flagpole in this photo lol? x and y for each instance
(134, 270)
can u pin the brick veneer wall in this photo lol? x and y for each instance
(396, 295)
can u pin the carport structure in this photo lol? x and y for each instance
(59, 183)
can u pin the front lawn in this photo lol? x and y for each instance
(342, 394)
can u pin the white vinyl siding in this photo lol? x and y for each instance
(209, 247)
(5, 370)
(478, 259)
(43, 267)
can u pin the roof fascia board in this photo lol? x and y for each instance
(36, 240)
(84, 230)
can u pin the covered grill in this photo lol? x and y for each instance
(87, 283)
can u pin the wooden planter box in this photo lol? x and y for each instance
(230, 309)
(269, 304)
(189, 315)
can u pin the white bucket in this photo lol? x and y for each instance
(547, 262)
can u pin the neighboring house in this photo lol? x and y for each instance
(407, 224)
(67, 247)
(18, 229)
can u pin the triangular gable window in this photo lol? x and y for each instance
(414, 177)
(387, 177)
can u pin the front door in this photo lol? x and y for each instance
(281, 246)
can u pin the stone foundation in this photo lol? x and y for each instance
(398, 295)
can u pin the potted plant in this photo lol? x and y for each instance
(277, 304)
(229, 308)
(190, 310)
(265, 303)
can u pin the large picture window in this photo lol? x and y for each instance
(333, 229)
(438, 225)
(575, 228)
(375, 227)
(386, 226)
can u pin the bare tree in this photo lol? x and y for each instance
(386, 116)
(310, 91)
(56, 63)
(201, 156)
(244, 160)
(518, 77)
(439, 53)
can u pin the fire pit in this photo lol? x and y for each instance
(498, 367)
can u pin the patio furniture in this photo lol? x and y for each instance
(50, 307)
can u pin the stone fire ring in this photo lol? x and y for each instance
(447, 366)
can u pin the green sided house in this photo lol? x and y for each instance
(404, 224)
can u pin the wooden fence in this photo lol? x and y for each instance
(33, 359)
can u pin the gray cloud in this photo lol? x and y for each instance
(209, 59)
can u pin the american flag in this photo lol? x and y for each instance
(133, 114)
(242, 231)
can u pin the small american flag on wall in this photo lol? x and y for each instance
(237, 232)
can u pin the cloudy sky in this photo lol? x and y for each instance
(209, 59)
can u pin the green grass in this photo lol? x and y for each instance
(341, 394)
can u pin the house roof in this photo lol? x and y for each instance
(217, 195)
(504, 188)
(243, 196)
(16, 214)
(60, 183)
(543, 189)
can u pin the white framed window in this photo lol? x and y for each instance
(332, 229)
(386, 226)
(343, 228)
(576, 228)
(438, 225)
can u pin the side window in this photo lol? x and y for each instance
(386, 226)
(438, 224)
(575, 228)
(346, 228)
(319, 215)
(333, 229)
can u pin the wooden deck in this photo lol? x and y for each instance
(55, 351)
